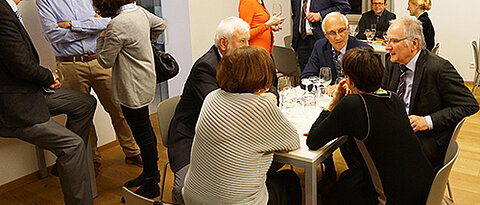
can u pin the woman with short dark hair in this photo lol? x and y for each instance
(386, 163)
(125, 46)
(237, 132)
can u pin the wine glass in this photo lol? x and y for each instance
(373, 28)
(369, 34)
(325, 76)
(385, 35)
(276, 9)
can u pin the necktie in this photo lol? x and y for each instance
(303, 28)
(336, 62)
(402, 84)
(378, 18)
(19, 16)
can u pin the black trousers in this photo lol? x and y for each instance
(284, 188)
(139, 122)
(304, 49)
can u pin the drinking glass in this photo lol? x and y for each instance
(373, 27)
(276, 9)
(284, 83)
(369, 35)
(385, 35)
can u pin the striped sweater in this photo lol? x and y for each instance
(235, 138)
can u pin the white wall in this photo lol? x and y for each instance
(456, 25)
(17, 158)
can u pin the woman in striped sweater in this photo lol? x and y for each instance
(237, 132)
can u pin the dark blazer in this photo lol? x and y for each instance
(22, 102)
(201, 81)
(322, 56)
(323, 7)
(438, 90)
(369, 18)
(428, 30)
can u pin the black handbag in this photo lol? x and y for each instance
(166, 66)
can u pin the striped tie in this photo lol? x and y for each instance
(337, 63)
(402, 84)
(19, 16)
(303, 26)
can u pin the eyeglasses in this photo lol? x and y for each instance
(395, 40)
(339, 32)
(378, 4)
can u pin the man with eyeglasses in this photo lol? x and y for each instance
(307, 16)
(328, 52)
(434, 94)
(378, 16)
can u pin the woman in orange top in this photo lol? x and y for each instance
(261, 24)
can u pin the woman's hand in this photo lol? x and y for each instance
(275, 20)
(276, 28)
(103, 33)
(340, 92)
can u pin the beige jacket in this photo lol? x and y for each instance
(126, 47)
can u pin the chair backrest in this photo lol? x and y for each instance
(134, 199)
(451, 147)
(475, 56)
(165, 111)
(286, 61)
(287, 40)
(436, 49)
(437, 190)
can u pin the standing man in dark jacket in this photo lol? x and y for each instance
(24, 112)
(307, 16)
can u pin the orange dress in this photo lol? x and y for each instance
(252, 12)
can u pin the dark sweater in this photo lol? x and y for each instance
(403, 170)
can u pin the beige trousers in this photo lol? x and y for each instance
(83, 76)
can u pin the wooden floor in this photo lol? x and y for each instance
(464, 178)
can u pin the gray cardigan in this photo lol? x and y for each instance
(126, 47)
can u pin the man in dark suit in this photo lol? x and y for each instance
(307, 16)
(329, 51)
(24, 112)
(378, 16)
(201, 81)
(435, 96)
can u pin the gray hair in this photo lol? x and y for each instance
(332, 14)
(228, 26)
(413, 29)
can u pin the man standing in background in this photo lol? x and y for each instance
(307, 16)
(72, 28)
(378, 16)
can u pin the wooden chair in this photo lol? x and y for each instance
(165, 111)
(436, 195)
(477, 67)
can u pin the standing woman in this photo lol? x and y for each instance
(418, 9)
(125, 46)
(261, 23)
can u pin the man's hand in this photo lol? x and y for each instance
(64, 24)
(56, 83)
(418, 123)
(313, 16)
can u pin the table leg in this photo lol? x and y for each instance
(310, 184)
(91, 170)
(42, 167)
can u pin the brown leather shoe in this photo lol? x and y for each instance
(136, 160)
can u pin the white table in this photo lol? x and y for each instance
(380, 49)
(305, 158)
